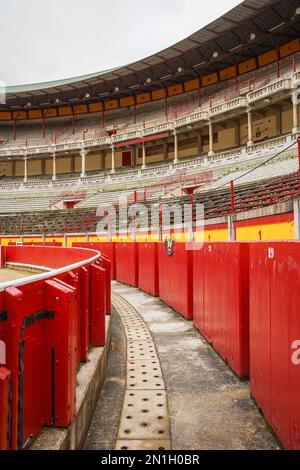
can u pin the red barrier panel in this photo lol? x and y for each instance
(175, 278)
(148, 268)
(108, 249)
(275, 336)
(98, 305)
(51, 257)
(127, 263)
(221, 295)
(5, 385)
(62, 363)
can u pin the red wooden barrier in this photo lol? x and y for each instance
(108, 249)
(51, 257)
(221, 296)
(148, 268)
(5, 381)
(45, 325)
(127, 263)
(175, 278)
(275, 336)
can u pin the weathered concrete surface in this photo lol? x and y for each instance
(90, 378)
(103, 431)
(209, 407)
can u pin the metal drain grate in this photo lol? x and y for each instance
(144, 420)
(144, 415)
(144, 375)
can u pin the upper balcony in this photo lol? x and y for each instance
(275, 90)
(196, 117)
(158, 128)
(231, 106)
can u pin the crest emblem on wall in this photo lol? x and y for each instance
(169, 244)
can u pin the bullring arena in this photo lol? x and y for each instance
(149, 247)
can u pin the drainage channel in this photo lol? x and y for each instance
(144, 423)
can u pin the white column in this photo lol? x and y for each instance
(144, 166)
(25, 169)
(83, 156)
(54, 167)
(211, 139)
(175, 147)
(295, 119)
(250, 130)
(113, 165)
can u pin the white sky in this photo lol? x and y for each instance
(43, 40)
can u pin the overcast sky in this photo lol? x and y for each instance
(43, 40)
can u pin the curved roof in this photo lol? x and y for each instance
(273, 23)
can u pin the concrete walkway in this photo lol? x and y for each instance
(209, 407)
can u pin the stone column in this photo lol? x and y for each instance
(25, 169)
(175, 148)
(144, 166)
(295, 118)
(211, 139)
(83, 159)
(54, 167)
(113, 163)
(250, 129)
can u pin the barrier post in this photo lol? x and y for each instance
(5, 413)
(85, 312)
(98, 305)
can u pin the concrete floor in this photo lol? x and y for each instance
(209, 407)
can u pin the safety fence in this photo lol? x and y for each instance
(224, 287)
(48, 322)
